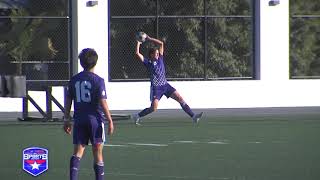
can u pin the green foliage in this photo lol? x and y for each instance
(31, 34)
(191, 57)
(20, 47)
(229, 52)
(304, 7)
(230, 7)
(304, 38)
(200, 43)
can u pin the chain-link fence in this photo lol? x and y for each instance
(204, 39)
(35, 39)
(304, 39)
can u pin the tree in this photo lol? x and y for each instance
(304, 38)
(182, 25)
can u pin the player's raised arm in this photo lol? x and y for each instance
(157, 41)
(107, 113)
(140, 56)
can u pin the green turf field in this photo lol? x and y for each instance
(283, 147)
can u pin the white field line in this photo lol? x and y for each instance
(116, 145)
(148, 144)
(186, 142)
(254, 142)
(216, 142)
(167, 177)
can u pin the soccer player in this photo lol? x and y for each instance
(159, 85)
(87, 91)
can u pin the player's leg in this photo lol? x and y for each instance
(146, 111)
(176, 96)
(152, 108)
(98, 164)
(80, 140)
(78, 151)
(97, 139)
(155, 95)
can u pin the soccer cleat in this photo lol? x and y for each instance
(196, 118)
(136, 119)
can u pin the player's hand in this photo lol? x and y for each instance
(110, 128)
(67, 127)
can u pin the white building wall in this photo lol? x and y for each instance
(273, 89)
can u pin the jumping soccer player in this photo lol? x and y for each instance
(159, 84)
(87, 91)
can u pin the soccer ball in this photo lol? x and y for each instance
(141, 36)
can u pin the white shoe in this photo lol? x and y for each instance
(136, 119)
(196, 118)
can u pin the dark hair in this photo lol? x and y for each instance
(152, 50)
(88, 58)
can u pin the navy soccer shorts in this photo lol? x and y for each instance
(89, 130)
(158, 91)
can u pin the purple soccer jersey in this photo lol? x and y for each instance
(159, 84)
(86, 89)
(157, 71)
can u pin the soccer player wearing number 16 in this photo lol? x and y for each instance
(87, 91)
